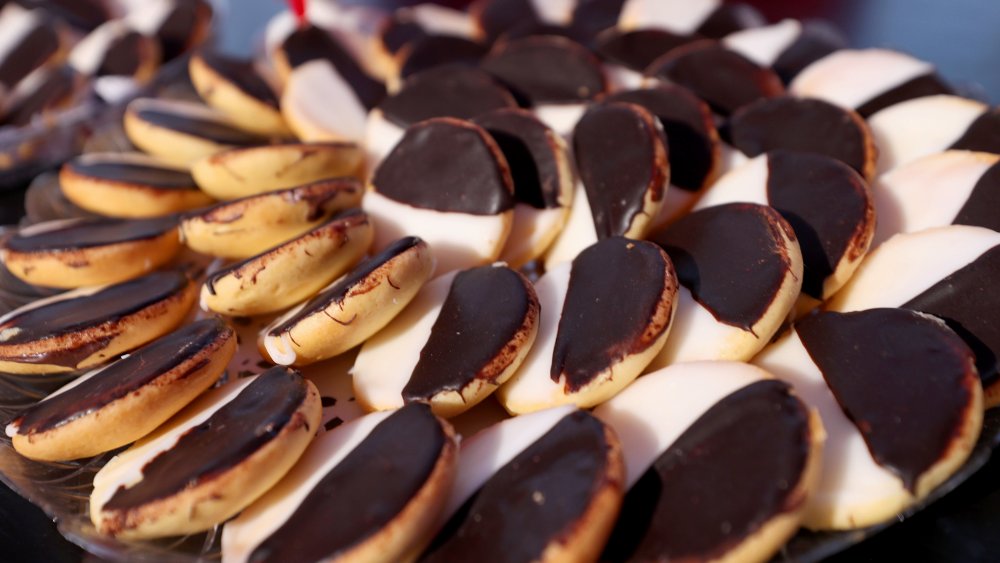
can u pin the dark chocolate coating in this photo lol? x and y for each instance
(968, 302)
(817, 39)
(903, 379)
(732, 258)
(338, 292)
(739, 463)
(530, 149)
(982, 135)
(615, 289)
(724, 79)
(532, 502)
(620, 158)
(447, 165)
(828, 206)
(177, 30)
(485, 309)
(146, 175)
(364, 492)
(591, 17)
(496, 17)
(261, 411)
(808, 125)
(56, 89)
(691, 136)
(126, 376)
(980, 209)
(30, 53)
(447, 91)
(309, 43)
(728, 18)
(89, 233)
(638, 49)
(437, 50)
(123, 57)
(925, 85)
(397, 33)
(242, 74)
(206, 128)
(547, 69)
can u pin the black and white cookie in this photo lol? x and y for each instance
(32, 40)
(788, 46)
(237, 89)
(711, 18)
(628, 53)
(434, 51)
(410, 24)
(115, 49)
(496, 18)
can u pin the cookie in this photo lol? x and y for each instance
(35, 41)
(130, 185)
(435, 51)
(445, 176)
(464, 335)
(409, 24)
(787, 46)
(179, 25)
(627, 54)
(42, 94)
(210, 461)
(868, 80)
(247, 226)
(744, 441)
(871, 374)
(80, 252)
(15, 293)
(113, 406)
(290, 272)
(86, 327)
(115, 49)
(711, 18)
(380, 477)
(740, 270)
(352, 309)
(245, 171)
(626, 288)
(498, 17)
(235, 88)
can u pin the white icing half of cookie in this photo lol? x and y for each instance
(533, 229)
(320, 105)
(746, 183)
(851, 77)
(678, 16)
(763, 45)
(441, 20)
(578, 233)
(381, 136)
(561, 118)
(696, 335)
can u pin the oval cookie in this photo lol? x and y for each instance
(235, 88)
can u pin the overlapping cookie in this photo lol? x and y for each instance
(628, 53)
(496, 18)
(235, 88)
(711, 18)
(408, 25)
(116, 49)
(787, 46)
(434, 51)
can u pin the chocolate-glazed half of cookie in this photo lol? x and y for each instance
(211, 461)
(244, 227)
(49, 90)
(439, 50)
(409, 24)
(80, 252)
(740, 270)
(787, 46)
(113, 406)
(129, 185)
(711, 18)
(807, 125)
(178, 25)
(234, 87)
(36, 42)
(868, 80)
(983, 134)
(352, 308)
(115, 49)
(497, 17)
(869, 374)
(464, 335)
(445, 176)
(290, 272)
(381, 476)
(86, 327)
(616, 303)
(627, 54)
(541, 487)
(724, 79)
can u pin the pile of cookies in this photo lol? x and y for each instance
(725, 278)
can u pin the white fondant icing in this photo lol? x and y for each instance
(851, 77)
(678, 16)
(763, 45)
(321, 106)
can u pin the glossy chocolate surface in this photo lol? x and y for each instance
(448, 91)
(242, 74)
(637, 49)
(89, 233)
(816, 40)
(436, 50)
(926, 85)
(982, 135)
(980, 210)
(146, 175)
(309, 43)
(530, 149)
(547, 69)
(214, 130)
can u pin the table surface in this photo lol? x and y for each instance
(959, 36)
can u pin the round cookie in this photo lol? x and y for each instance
(83, 328)
(80, 252)
(744, 441)
(245, 171)
(711, 18)
(129, 185)
(290, 272)
(871, 374)
(113, 406)
(380, 477)
(740, 270)
(605, 316)
(495, 18)
(181, 132)
(352, 309)
(787, 46)
(235, 88)
(867, 80)
(210, 461)
(434, 51)
(627, 54)
(445, 176)
(115, 49)
(247, 226)
(465, 334)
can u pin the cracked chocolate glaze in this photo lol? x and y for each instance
(214, 130)
(547, 70)
(531, 150)
(612, 309)
(242, 74)
(637, 49)
(732, 258)
(968, 303)
(363, 493)
(621, 157)
(729, 18)
(228, 437)
(534, 501)
(903, 379)
(123, 56)
(807, 125)
(925, 85)
(448, 91)
(125, 172)
(89, 233)
(308, 43)
(816, 40)
(479, 321)
(691, 135)
(128, 375)
(982, 135)
(436, 50)
(41, 42)
(340, 290)
(447, 165)
(828, 206)
(724, 79)
(980, 209)
(739, 463)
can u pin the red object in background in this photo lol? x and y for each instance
(298, 8)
